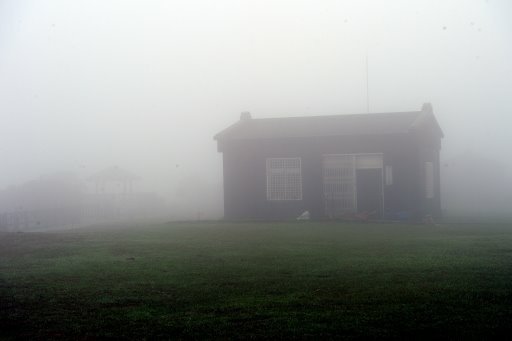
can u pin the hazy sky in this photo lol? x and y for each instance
(146, 84)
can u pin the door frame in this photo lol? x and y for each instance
(355, 155)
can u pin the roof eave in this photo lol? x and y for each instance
(405, 132)
(221, 135)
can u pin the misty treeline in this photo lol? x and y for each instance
(472, 185)
(65, 200)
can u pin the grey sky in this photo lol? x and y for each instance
(146, 84)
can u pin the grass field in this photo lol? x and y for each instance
(240, 280)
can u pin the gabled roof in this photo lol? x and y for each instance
(333, 125)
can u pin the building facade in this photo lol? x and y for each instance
(365, 166)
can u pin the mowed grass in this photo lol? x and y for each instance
(258, 280)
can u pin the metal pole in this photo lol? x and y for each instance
(367, 87)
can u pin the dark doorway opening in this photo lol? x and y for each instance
(369, 192)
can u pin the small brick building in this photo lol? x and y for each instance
(376, 165)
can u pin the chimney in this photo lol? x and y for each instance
(427, 108)
(245, 116)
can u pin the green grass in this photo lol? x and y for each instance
(255, 280)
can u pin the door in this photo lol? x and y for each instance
(369, 192)
(339, 185)
(352, 183)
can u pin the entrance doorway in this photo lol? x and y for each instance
(352, 183)
(369, 192)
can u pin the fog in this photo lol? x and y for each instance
(87, 85)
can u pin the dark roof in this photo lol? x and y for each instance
(333, 125)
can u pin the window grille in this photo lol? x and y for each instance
(284, 179)
(339, 184)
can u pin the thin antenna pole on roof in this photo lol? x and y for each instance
(367, 87)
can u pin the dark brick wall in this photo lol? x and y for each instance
(245, 173)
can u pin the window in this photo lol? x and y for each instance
(284, 179)
(429, 180)
(389, 175)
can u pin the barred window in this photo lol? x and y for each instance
(284, 179)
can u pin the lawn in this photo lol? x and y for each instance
(257, 280)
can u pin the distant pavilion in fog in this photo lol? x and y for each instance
(113, 180)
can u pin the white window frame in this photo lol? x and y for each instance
(388, 175)
(275, 174)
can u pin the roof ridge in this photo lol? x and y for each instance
(397, 122)
(338, 115)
